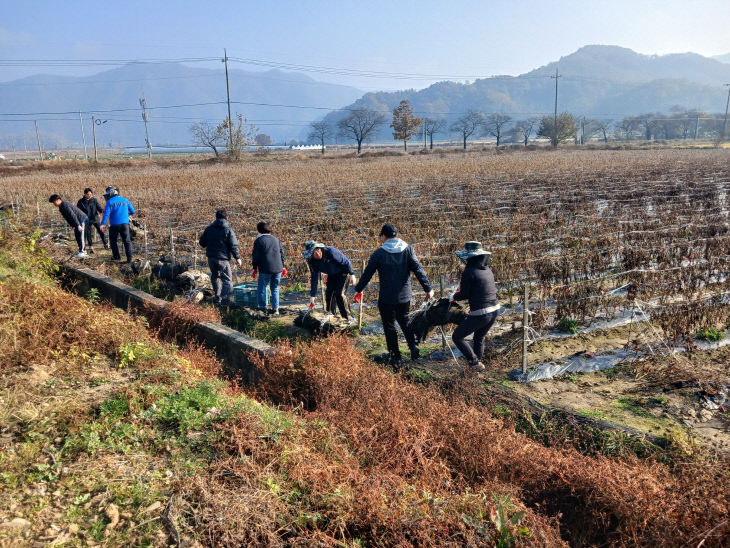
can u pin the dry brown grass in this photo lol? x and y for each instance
(74, 325)
(410, 431)
(176, 320)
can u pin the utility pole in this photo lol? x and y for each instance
(93, 129)
(555, 116)
(724, 125)
(697, 126)
(83, 136)
(38, 138)
(228, 94)
(582, 129)
(143, 104)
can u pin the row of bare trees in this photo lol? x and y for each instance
(361, 124)
(679, 123)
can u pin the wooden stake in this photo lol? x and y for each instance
(441, 296)
(195, 252)
(146, 258)
(362, 301)
(172, 246)
(525, 327)
(321, 287)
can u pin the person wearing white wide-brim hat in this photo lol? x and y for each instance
(477, 286)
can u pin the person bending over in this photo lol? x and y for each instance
(336, 270)
(75, 218)
(477, 286)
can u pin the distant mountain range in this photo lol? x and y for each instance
(606, 82)
(723, 58)
(163, 85)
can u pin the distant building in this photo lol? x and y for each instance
(306, 147)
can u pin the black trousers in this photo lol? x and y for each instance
(389, 314)
(89, 230)
(479, 325)
(123, 232)
(334, 294)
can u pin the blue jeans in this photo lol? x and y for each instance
(272, 281)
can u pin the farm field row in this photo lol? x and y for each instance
(589, 231)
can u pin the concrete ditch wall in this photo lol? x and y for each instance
(232, 347)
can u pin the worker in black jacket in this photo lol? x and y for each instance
(89, 205)
(220, 242)
(394, 261)
(478, 287)
(336, 271)
(267, 259)
(75, 219)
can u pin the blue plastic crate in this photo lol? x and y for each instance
(245, 294)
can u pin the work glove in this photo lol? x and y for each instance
(353, 279)
(101, 228)
(239, 263)
(311, 302)
(358, 297)
(79, 228)
(324, 278)
(254, 272)
(429, 295)
(283, 273)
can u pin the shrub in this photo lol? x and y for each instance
(710, 334)
(568, 325)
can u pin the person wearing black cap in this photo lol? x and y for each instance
(267, 259)
(336, 270)
(75, 219)
(220, 243)
(478, 287)
(394, 261)
(89, 205)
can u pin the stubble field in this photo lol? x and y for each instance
(599, 237)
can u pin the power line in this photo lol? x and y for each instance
(364, 73)
(98, 62)
(104, 111)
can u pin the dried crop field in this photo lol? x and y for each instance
(590, 231)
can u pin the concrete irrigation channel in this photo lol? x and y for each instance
(232, 347)
(235, 349)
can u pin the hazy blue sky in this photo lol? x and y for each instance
(464, 39)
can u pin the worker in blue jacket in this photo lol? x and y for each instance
(337, 271)
(117, 211)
